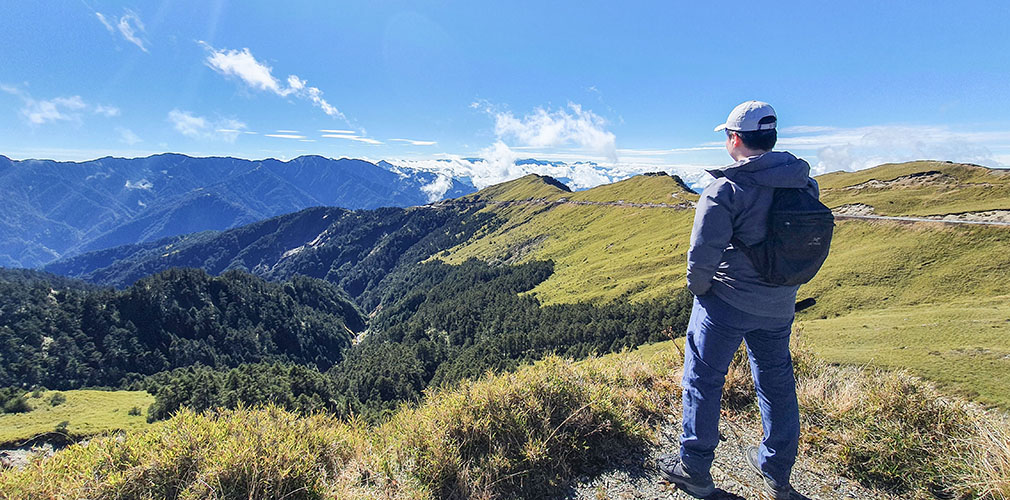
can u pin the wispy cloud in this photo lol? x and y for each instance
(414, 142)
(288, 132)
(285, 136)
(856, 148)
(129, 26)
(127, 136)
(651, 152)
(108, 111)
(199, 127)
(259, 76)
(350, 137)
(331, 131)
(65, 108)
(105, 22)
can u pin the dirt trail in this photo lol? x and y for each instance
(852, 212)
(634, 475)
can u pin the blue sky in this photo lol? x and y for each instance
(633, 86)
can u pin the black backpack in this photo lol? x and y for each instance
(799, 234)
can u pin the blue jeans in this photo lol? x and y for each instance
(713, 336)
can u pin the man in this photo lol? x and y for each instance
(733, 304)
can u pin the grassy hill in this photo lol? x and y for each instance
(86, 412)
(919, 188)
(603, 252)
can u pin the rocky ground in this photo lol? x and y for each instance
(635, 477)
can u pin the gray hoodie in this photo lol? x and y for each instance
(737, 202)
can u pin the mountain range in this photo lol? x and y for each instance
(59, 209)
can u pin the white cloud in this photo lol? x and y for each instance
(129, 26)
(551, 129)
(127, 136)
(105, 22)
(287, 132)
(198, 127)
(351, 137)
(108, 111)
(864, 147)
(436, 190)
(649, 152)
(258, 75)
(285, 136)
(498, 163)
(56, 109)
(242, 64)
(414, 142)
(331, 131)
(66, 108)
(805, 129)
(141, 184)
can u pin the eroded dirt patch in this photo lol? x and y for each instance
(854, 209)
(931, 177)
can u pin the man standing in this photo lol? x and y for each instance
(733, 303)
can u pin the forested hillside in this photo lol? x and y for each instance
(69, 337)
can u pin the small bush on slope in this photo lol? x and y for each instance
(265, 453)
(521, 435)
(896, 432)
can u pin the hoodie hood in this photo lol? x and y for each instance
(777, 169)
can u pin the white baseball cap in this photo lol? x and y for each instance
(748, 116)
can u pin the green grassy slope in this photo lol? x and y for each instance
(956, 188)
(649, 188)
(88, 413)
(524, 188)
(605, 252)
(964, 344)
(601, 252)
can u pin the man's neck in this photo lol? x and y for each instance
(744, 154)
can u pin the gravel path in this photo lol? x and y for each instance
(635, 476)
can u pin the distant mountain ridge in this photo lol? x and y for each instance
(59, 209)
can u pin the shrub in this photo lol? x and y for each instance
(135, 412)
(17, 405)
(57, 399)
(522, 435)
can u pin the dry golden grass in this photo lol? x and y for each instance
(526, 434)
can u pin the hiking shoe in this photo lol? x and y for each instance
(672, 469)
(768, 487)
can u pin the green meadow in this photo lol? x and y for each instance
(86, 412)
(963, 344)
(600, 252)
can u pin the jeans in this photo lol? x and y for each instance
(713, 336)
